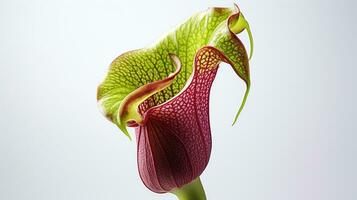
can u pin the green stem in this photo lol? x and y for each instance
(191, 191)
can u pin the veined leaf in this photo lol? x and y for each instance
(131, 71)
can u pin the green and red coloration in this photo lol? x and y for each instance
(170, 111)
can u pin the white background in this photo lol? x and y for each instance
(295, 139)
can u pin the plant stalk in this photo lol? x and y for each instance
(191, 191)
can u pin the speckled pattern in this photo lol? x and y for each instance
(175, 144)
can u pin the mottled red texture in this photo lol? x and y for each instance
(174, 144)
